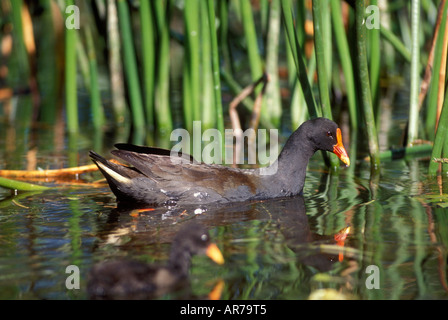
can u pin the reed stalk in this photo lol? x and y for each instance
(115, 66)
(191, 88)
(298, 58)
(208, 114)
(346, 62)
(298, 109)
(223, 35)
(71, 97)
(273, 99)
(48, 75)
(149, 58)
(440, 148)
(162, 90)
(433, 93)
(415, 76)
(250, 33)
(364, 84)
(375, 63)
(95, 96)
(396, 43)
(131, 72)
(321, 62)
(299, 112)
(215, 69)
(19, 41)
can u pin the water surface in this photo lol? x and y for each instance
(279, 249)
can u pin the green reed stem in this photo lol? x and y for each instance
(71, 98)
(432, 97)
(415, 75)
(364, 83)
(273, 99)
(95, 96)
(251, 39)
(48, 76)
(298, 109)
(346, 61)
(223, 35)
(115, 66)
(215, 69)
(162, 94)
(299, 112)
(192, 99)
(208, 114)
(130, 66)
(19, 185)
(148, 56)
(298, 58)
(321, 63)
(320, 48)
(19, 44)
(440, 141)
(396, 43)
(375, 63)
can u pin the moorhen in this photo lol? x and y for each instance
(158, 178)
(128, 279)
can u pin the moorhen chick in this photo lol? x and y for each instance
(128, 279)
(157, 178)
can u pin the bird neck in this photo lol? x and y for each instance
(287, 173)
(180, 260)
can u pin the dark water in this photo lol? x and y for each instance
(280, 249)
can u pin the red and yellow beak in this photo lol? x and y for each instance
(214, 253)
(339, 149)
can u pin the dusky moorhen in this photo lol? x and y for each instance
(154, 179)
(129, 279)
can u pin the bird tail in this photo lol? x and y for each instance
(115, 174)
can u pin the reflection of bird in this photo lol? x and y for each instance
(157, 178)
(121, 279)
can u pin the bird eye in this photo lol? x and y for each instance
(329, 134)
(204, 237)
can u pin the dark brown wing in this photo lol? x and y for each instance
(173, 174)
